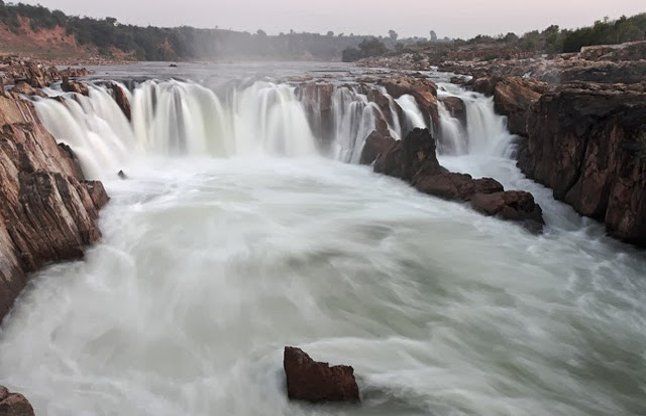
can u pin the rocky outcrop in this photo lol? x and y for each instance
(376, 143)
(456, 108)
(121, 98)
(588, 143)
(14, 404)
(316, 382)
(48, 212)
(69, 85)
(414, 160)
(423, 90)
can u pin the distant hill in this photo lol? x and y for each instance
(40, 32)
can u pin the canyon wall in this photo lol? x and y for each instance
(48, 212)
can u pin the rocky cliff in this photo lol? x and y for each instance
(48, 212)
(588, 143)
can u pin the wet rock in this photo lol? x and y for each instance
(588, 143)
(47, 212)
(69, 85)
(410, 156)
(456, 186)
(376, 144)
(14, 404)
(423, 90)
(455, 106)
(24, 88)
(316, 98)
(316, 382)
(122, 175)
(518, 206)
(121, 98)
(414, 160)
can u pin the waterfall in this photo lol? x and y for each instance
(485, 132)
(173, 118)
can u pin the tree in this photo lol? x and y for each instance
(393, 35)
(433, 36)
(261, 33)
(330, 34)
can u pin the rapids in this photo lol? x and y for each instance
(237, 235)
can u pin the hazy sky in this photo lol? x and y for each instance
(454, 18)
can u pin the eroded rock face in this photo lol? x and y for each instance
(588, 143)
(121, 98)
(316, 382)
(48, 212)
(377, 143)
(69, 85)
(424, 92)
(414, 160)
(456, 108)
(14, 404)
(513, 97)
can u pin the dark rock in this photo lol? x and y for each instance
(413, 155)
(588, 143)
(518, 206)
(318, 382)
(455, 106)
(120, 97)
(122, 175)
(456, 186)
(376, 144)
(14, 404)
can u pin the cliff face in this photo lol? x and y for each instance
(48, 212)
(588, 143)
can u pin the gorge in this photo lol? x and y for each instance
(250, 219)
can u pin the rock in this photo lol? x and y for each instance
(376, 144)
(318, 382)
(74, 86)
(121, 98)
(14, 404)
(518, 206)
(456, 186)
(47, 212)
(414, 160)
(588, 143)
(316, 98)
(122, 175)
(484, 85)
(413, 155)
(172, 66)
(513, 97)
(423, 90)
(24, 88)
(455, 106)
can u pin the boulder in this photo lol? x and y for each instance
(376, 144)
(456, 186)
(410, 156)
(14, 404)
(316, 382)
(518, 206)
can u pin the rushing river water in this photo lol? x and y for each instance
(213, 261)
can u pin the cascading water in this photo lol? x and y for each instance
(210, 265)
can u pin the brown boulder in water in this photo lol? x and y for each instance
(518, 206)
(14, 404)
(376, 144)
(316, 382)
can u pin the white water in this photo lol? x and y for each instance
(209, 266)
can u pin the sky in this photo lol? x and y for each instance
(453, 18)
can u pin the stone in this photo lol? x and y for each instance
(317, 382)
(518, 206)
(376, 144)
(14, 404)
